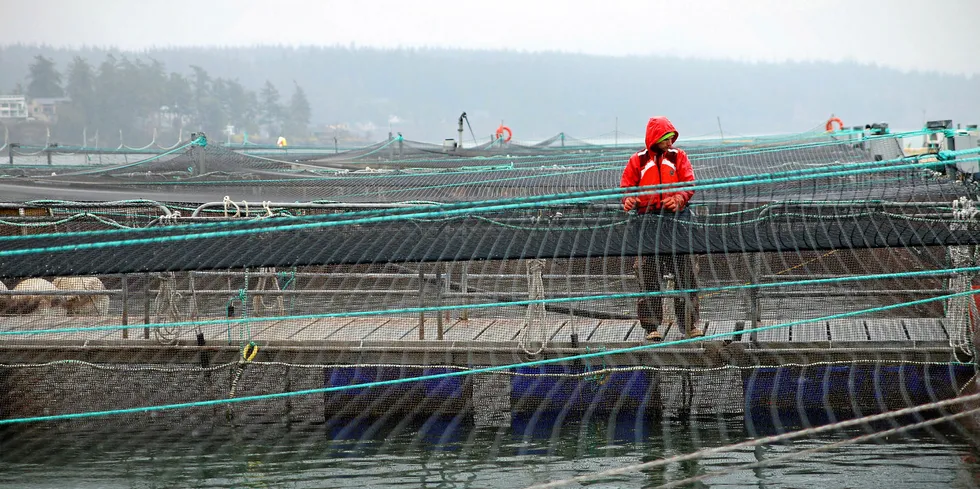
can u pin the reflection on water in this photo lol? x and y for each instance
(452, 452)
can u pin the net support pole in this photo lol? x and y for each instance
(146, 305)
(201, 162)
(460, 130)
(755, 314)
(421, 303)
(125, 304)
(439, 292)
(193, 290)
(10, 152)
(464, 288)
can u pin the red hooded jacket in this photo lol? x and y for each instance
(654, 168)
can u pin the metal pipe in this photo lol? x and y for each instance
(421, 303)
(310, 205)
(86, 205)
(329, 275)
(845, 293)
(146, 305)
(125, 304)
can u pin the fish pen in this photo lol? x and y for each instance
(207, 286)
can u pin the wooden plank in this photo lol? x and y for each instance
(358, 329)
(284, 329)
(809, 332)
(847, 329)
(610, 330)
(636, 333)
(886, 329)
(502, 330)
(925, 329)
(216, 332)
(413, 332)
(543, 331)
(559, 332)
(29, 323)
(584, 327)
(672, 332)
(469, 329)
(726, 326)
(399, 328)
(251, 330)
(277, 330)
(775, 334)
(321, 328)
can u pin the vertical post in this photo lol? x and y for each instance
(146, 304)
(755, 314)
(421, 302)
(439, 324)
(190, 284)
(460, 130)
(336, 149)
(201, 163)
(47, 151)
(10, 152)
(465, 289)
(447, 287)
(125, 304)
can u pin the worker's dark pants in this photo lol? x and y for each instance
(651, 271)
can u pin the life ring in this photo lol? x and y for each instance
(830, 124)
(501, 130)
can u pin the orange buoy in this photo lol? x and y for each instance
(830, 124)
(501, 130)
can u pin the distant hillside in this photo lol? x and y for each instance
(422, 92)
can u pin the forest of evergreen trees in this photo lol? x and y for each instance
(139, 97)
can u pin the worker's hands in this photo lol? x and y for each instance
(674, 203)
(630, 203)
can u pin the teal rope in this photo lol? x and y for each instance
(410, 310)
(200, 141)
(476, 371)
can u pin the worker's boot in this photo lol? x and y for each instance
(648, 318)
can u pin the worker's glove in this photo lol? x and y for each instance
(630, 203)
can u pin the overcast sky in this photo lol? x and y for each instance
(905, 34)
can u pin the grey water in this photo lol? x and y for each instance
(446, 452)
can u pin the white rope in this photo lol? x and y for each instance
(167, 302)
(535, 312)
(228, 202)
(259, 305)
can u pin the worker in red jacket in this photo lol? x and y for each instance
(661, 163)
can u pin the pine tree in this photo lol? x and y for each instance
(44, 79)
(271, 110)
(299, 112)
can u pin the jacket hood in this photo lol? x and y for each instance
(657, 127)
